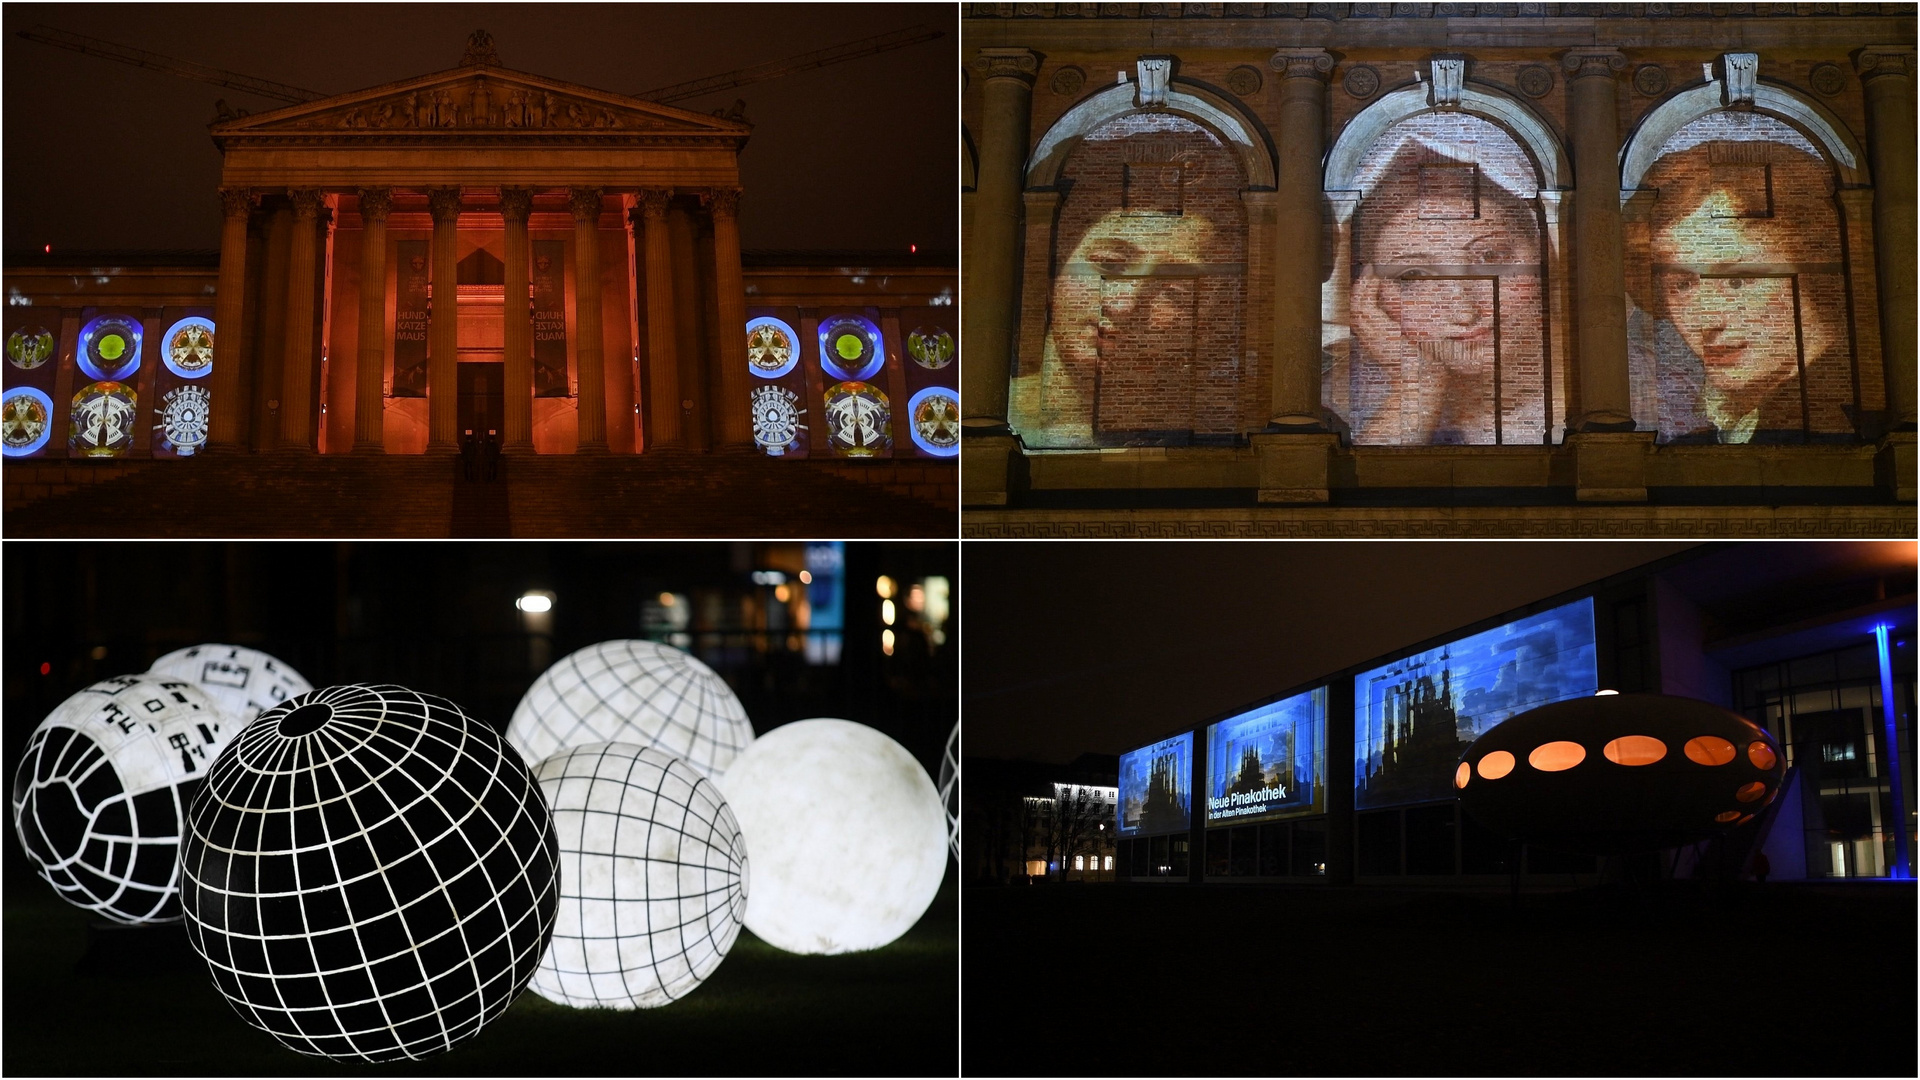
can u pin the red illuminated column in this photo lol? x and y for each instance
(1600, 284)
(516, 203)
(734, 420)
(585, 203)
(1296, 239)
(1887, 73)
(369, 399)
(227, 423)
(296, 381)
(663, 362)
(443, 324)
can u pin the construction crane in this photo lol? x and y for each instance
(852, 50)
(186, 69)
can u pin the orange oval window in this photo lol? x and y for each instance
(1709, 750)
(1744, 820)
(1750, 792)
(1557, 756)
(1728, 816)
(1462, 774)
(1761, 755)
(1635, 750)
(1496, 765)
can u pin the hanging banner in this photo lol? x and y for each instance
(549, 318)
(410, 320)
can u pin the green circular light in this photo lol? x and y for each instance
(848, 346)
(112, 346)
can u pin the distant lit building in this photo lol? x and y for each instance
(1021, 823)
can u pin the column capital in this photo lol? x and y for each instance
(654, 203)
(1585, 63)
(1020, 64)
(1877, 60)
(1302, 63)
(585, 203)
(516, 203)
(722, 202)
(238, 201)
(444, 203)
(306, 203)
(375, 203)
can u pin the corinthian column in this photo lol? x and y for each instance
(296, 381)
(1296, 239)
(443, 325)
(228, 421)
(1887, 73)
(369, 402)
(1600, 284)
(663, 370)
(586, 308)
(734, 419)
(515, 204)
(989, 319)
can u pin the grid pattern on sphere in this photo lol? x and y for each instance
(950, 789)
(377, 887)
(653, 878)
(101, 792)
(245, 682)
(634, 692)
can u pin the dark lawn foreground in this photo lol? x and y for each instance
(764, 1012)
(1782, 980)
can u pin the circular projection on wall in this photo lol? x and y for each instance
(653, 878)
(632, 692)
(245, 682)
(935, 416)
(29, 348)
(183, 419)
(776, 419)
(772, 347)
(857, 418)
(850, 348)
(931, 347)
(386, 839)
(110, 347)
(100, 798)
(26, 421)
(188, 348)
(848, 837)
(101, 424)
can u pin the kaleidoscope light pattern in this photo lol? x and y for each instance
(857, 419)
(245, 682)
(184, 413)
(101, 422)
(935, 414)
(772, 348)
(369, 873)
(776, 419)
(110, 348)
(100, 798)
(29, 348)
(950, 789)
(851, 348)
(653, 878)
(636, 692)
(26, 421)
(188, 352)
(931, 347)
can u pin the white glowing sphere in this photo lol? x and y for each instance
(847, 833)
(950, 789)
(243, 681)
(653, 878)
(100, 798)
(635, 692)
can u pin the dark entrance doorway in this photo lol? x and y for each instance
(483, 401)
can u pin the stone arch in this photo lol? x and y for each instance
(1190, 100)
(1516, 117)
(1818, 123)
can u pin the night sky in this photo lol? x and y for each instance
(1101, 647)
(853, 156)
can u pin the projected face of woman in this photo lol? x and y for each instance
(1108, 294)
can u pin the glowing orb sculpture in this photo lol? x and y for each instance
(100, 798)
(245, 682)
(847, 834)
(369, 873)
(632, 692)
(653, 878)
(1626, 772)
(950, 789)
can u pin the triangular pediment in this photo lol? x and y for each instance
(479, 101)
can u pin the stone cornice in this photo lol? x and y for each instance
(1429, 11)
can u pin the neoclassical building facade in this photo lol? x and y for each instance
(1431, 269)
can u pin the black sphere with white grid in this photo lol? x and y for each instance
(632, 691)
(370, 873)
(653, 878)
(99, 800)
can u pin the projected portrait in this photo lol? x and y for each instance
(1143, 341)
(1443, 339)
(1266, 763)
(1739, 327)
(1155, 787)
(1414, 717)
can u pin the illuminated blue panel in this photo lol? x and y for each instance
(772, 347)
(187, 348)
(851, 348)
(110, 348)
(1413, 718)
(1156, 784)
(1268, 762)
(933, 419)
(26, 421)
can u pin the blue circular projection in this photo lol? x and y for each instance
(187, 350)
(850, 348)
(772, 347)
(110, 348)
(26, 421)
(933, 419)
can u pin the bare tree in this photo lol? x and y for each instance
(1072, 825)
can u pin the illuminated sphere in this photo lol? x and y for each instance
(1627, 772)
(950, 789)
(634, 692)
(653, 878)
(847, 833)
(369, 873)
(244, 681)
(100, 798)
